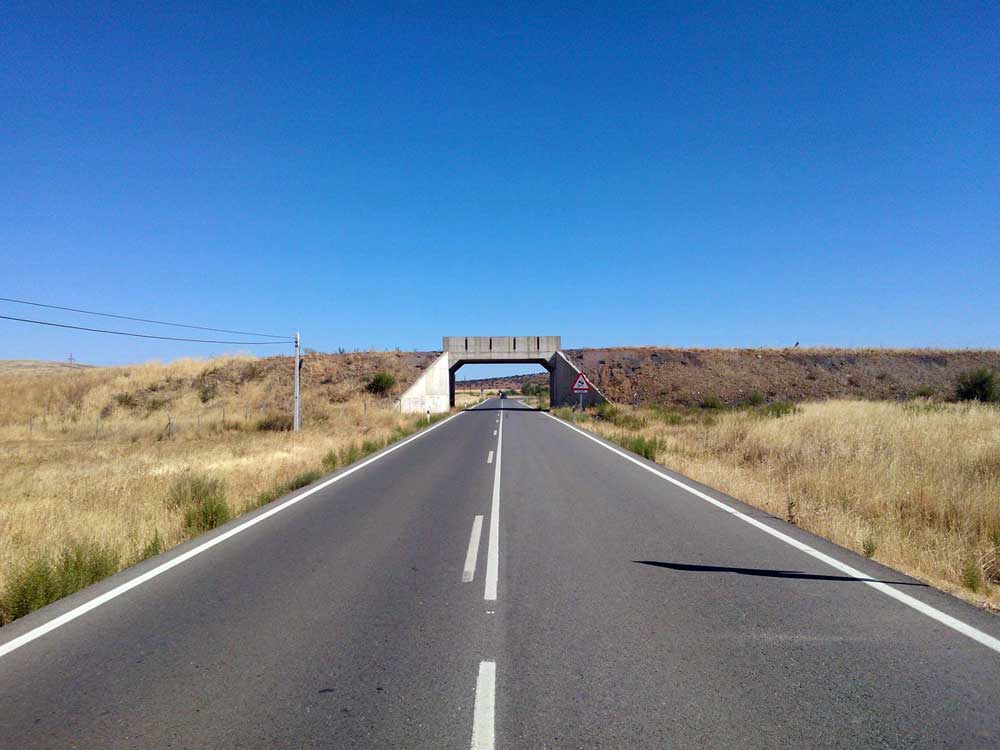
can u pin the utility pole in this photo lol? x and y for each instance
(298, 397)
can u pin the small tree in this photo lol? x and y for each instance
(977, 385)
(381, 383)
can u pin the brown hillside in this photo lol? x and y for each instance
(687, 376)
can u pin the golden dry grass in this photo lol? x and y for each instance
(914, 485)
(77, 466)
(466, 398)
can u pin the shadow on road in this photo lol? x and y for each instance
(765, 573)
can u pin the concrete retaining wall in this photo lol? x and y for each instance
(430, 391)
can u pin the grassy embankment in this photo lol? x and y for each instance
(914, 485)
(91, 481)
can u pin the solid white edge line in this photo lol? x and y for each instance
(493, 551)
(483, 716)
(489, 458)
(912, 602)
(107, 596)
(469, 571)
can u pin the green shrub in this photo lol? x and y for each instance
(534, 389)
(924, 391)
(755, 398)
(251, 371)
(276, 423)
(40, 582)
(972, 576)
(869, 546)
(290, 485)
(370, 446)
(606, 411)
(330, 461)
(153, 547)
(668, 416)
(207, 390)
(924, 406)
(125, 400)
(350, 454)
(206, 515)
(401, 432)
(381, 383)
(645, 447)
(302, 480)
(192, 489)
(977, 385)
(154, 405)
(615, 415)
(203, 500)
(711, 402)
(778, 409)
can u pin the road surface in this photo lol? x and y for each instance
(596, 602)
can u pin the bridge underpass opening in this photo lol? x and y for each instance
(470, 380)
(434, 390)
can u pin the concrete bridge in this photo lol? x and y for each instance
(434, 390)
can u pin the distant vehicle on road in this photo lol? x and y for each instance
(503, 395)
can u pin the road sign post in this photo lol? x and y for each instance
(581, 385)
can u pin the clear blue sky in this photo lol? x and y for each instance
(693, 175)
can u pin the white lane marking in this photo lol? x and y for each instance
(494, 433)
(107, 596)
(483, 715)
(489, 458)
(493, 552)
(926, 609)
(469, 571)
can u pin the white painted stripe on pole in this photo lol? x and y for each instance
(117, 591)
(489, 458)
(887, 589)
(469, 571)
(484, 714)
(493, 551)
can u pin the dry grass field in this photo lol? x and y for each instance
(915, 485)
(90, 470)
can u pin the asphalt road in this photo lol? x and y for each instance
(608, 607)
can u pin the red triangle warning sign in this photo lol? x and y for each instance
(581, 385)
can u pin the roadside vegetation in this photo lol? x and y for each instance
(536, 395)
(913, 484)
(103, 467)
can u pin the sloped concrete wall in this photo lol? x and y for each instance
(430, 391)
(563, 375)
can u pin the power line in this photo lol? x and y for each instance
(139, 320)
(145, 335)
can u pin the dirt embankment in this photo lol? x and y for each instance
(688, 376)
(334, 377)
